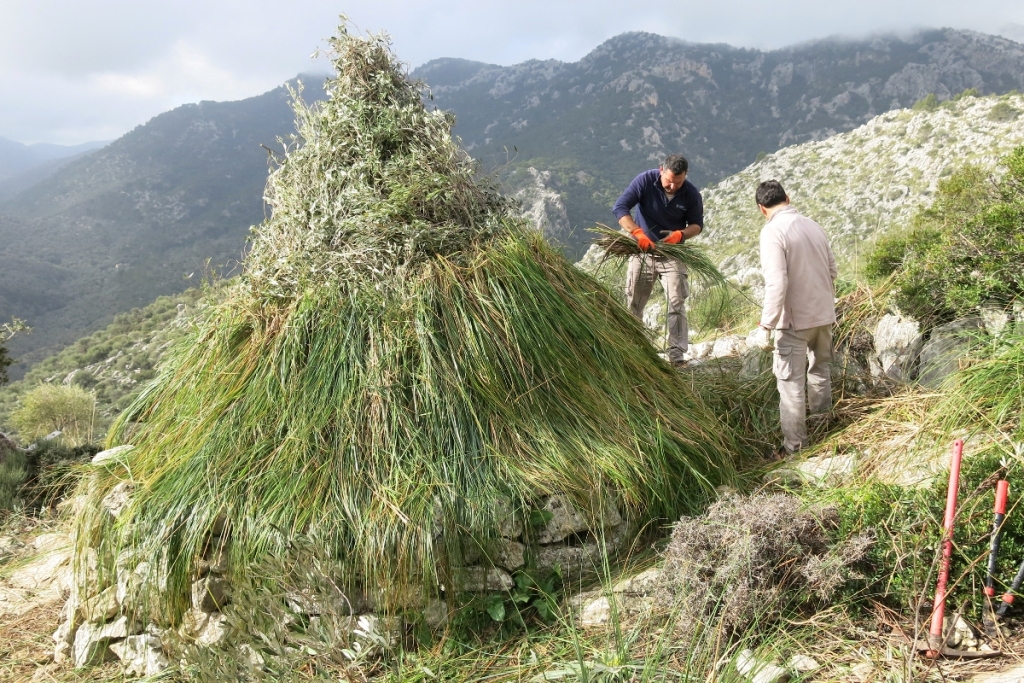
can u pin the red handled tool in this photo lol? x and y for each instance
(1002, 492)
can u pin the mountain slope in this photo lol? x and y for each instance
(595, 123)
(864, 183)
(117, 228)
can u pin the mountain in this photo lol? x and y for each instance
(586, 128)
(116, 228)
(865, 183)
(16, 158)
(22, 166)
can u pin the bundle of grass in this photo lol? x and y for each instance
(403, 363)
(617, 244)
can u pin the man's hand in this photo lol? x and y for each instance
(642, 240)
(761, 338)
(674, 237)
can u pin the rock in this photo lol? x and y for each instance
(214, 631)
(863, 672)
(566, 520)
(510, 523)
(64, 640)
(435, 614)
(111, 455)
(897, 344)
(118, 499)
(729, 345)
(995, 319)
(596, 612)
(757, 671)
(130, 582)
(141, 655)
(46, 543)
(643, 583)
(256, 660)
(193, 622)
(802, 664)
(92, 642)
(483, 579)
(215, 560)
(101, 608)
(941, 353)
(509, 554)
(211, 593)
(567, 557)
(960, 634)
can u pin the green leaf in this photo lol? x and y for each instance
(540, 517)
(496, 608)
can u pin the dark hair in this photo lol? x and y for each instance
(770, 193)
(676, 163)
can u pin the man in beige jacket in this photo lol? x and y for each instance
(799, 305)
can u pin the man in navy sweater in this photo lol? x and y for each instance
(669, 209)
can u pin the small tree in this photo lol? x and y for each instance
(962, 251)
(53, 407)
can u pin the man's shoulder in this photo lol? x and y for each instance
(646, 177)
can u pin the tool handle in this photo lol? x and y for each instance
(1008, 595)
(939, 611)
(1002, 493)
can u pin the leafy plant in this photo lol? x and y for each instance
(962, 251)
(70, 410)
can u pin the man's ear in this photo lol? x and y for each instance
(764, 211)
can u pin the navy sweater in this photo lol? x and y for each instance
(654, 214)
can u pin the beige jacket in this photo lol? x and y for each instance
(799, 273)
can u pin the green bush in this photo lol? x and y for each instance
(13, 472)
(55, 407)
(963, 250)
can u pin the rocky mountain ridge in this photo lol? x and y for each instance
(593, 124)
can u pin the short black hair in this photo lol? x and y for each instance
(676, 163)
(770, 193)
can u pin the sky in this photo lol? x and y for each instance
(73, 72)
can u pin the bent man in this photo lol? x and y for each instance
(799, 305)
(669, 209)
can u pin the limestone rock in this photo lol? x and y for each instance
(92, 642)
(101, 608)
(567, 556)
(435, 614)
(643, 583)
(757, 671)
(596, 612)
(111, 455)
(211, 593)
(483, 579)
(214, 631)
(897, 343)
(141, 655)
(117, 500)
(509, 554)
(802, 664)
(130, 582)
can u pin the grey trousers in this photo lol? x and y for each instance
(643, 271)
(802, 357)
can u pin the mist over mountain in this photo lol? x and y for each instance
(586, 128)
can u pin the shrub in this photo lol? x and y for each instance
(963, 250)
(55, 407)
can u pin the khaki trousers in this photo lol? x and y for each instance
(644, 269)
(802, 358)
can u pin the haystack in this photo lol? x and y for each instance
(403, 364)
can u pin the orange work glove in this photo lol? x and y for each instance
(642, 240)
(674, 237)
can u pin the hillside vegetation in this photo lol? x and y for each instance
(866, 183)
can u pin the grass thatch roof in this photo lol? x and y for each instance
(403, 353)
